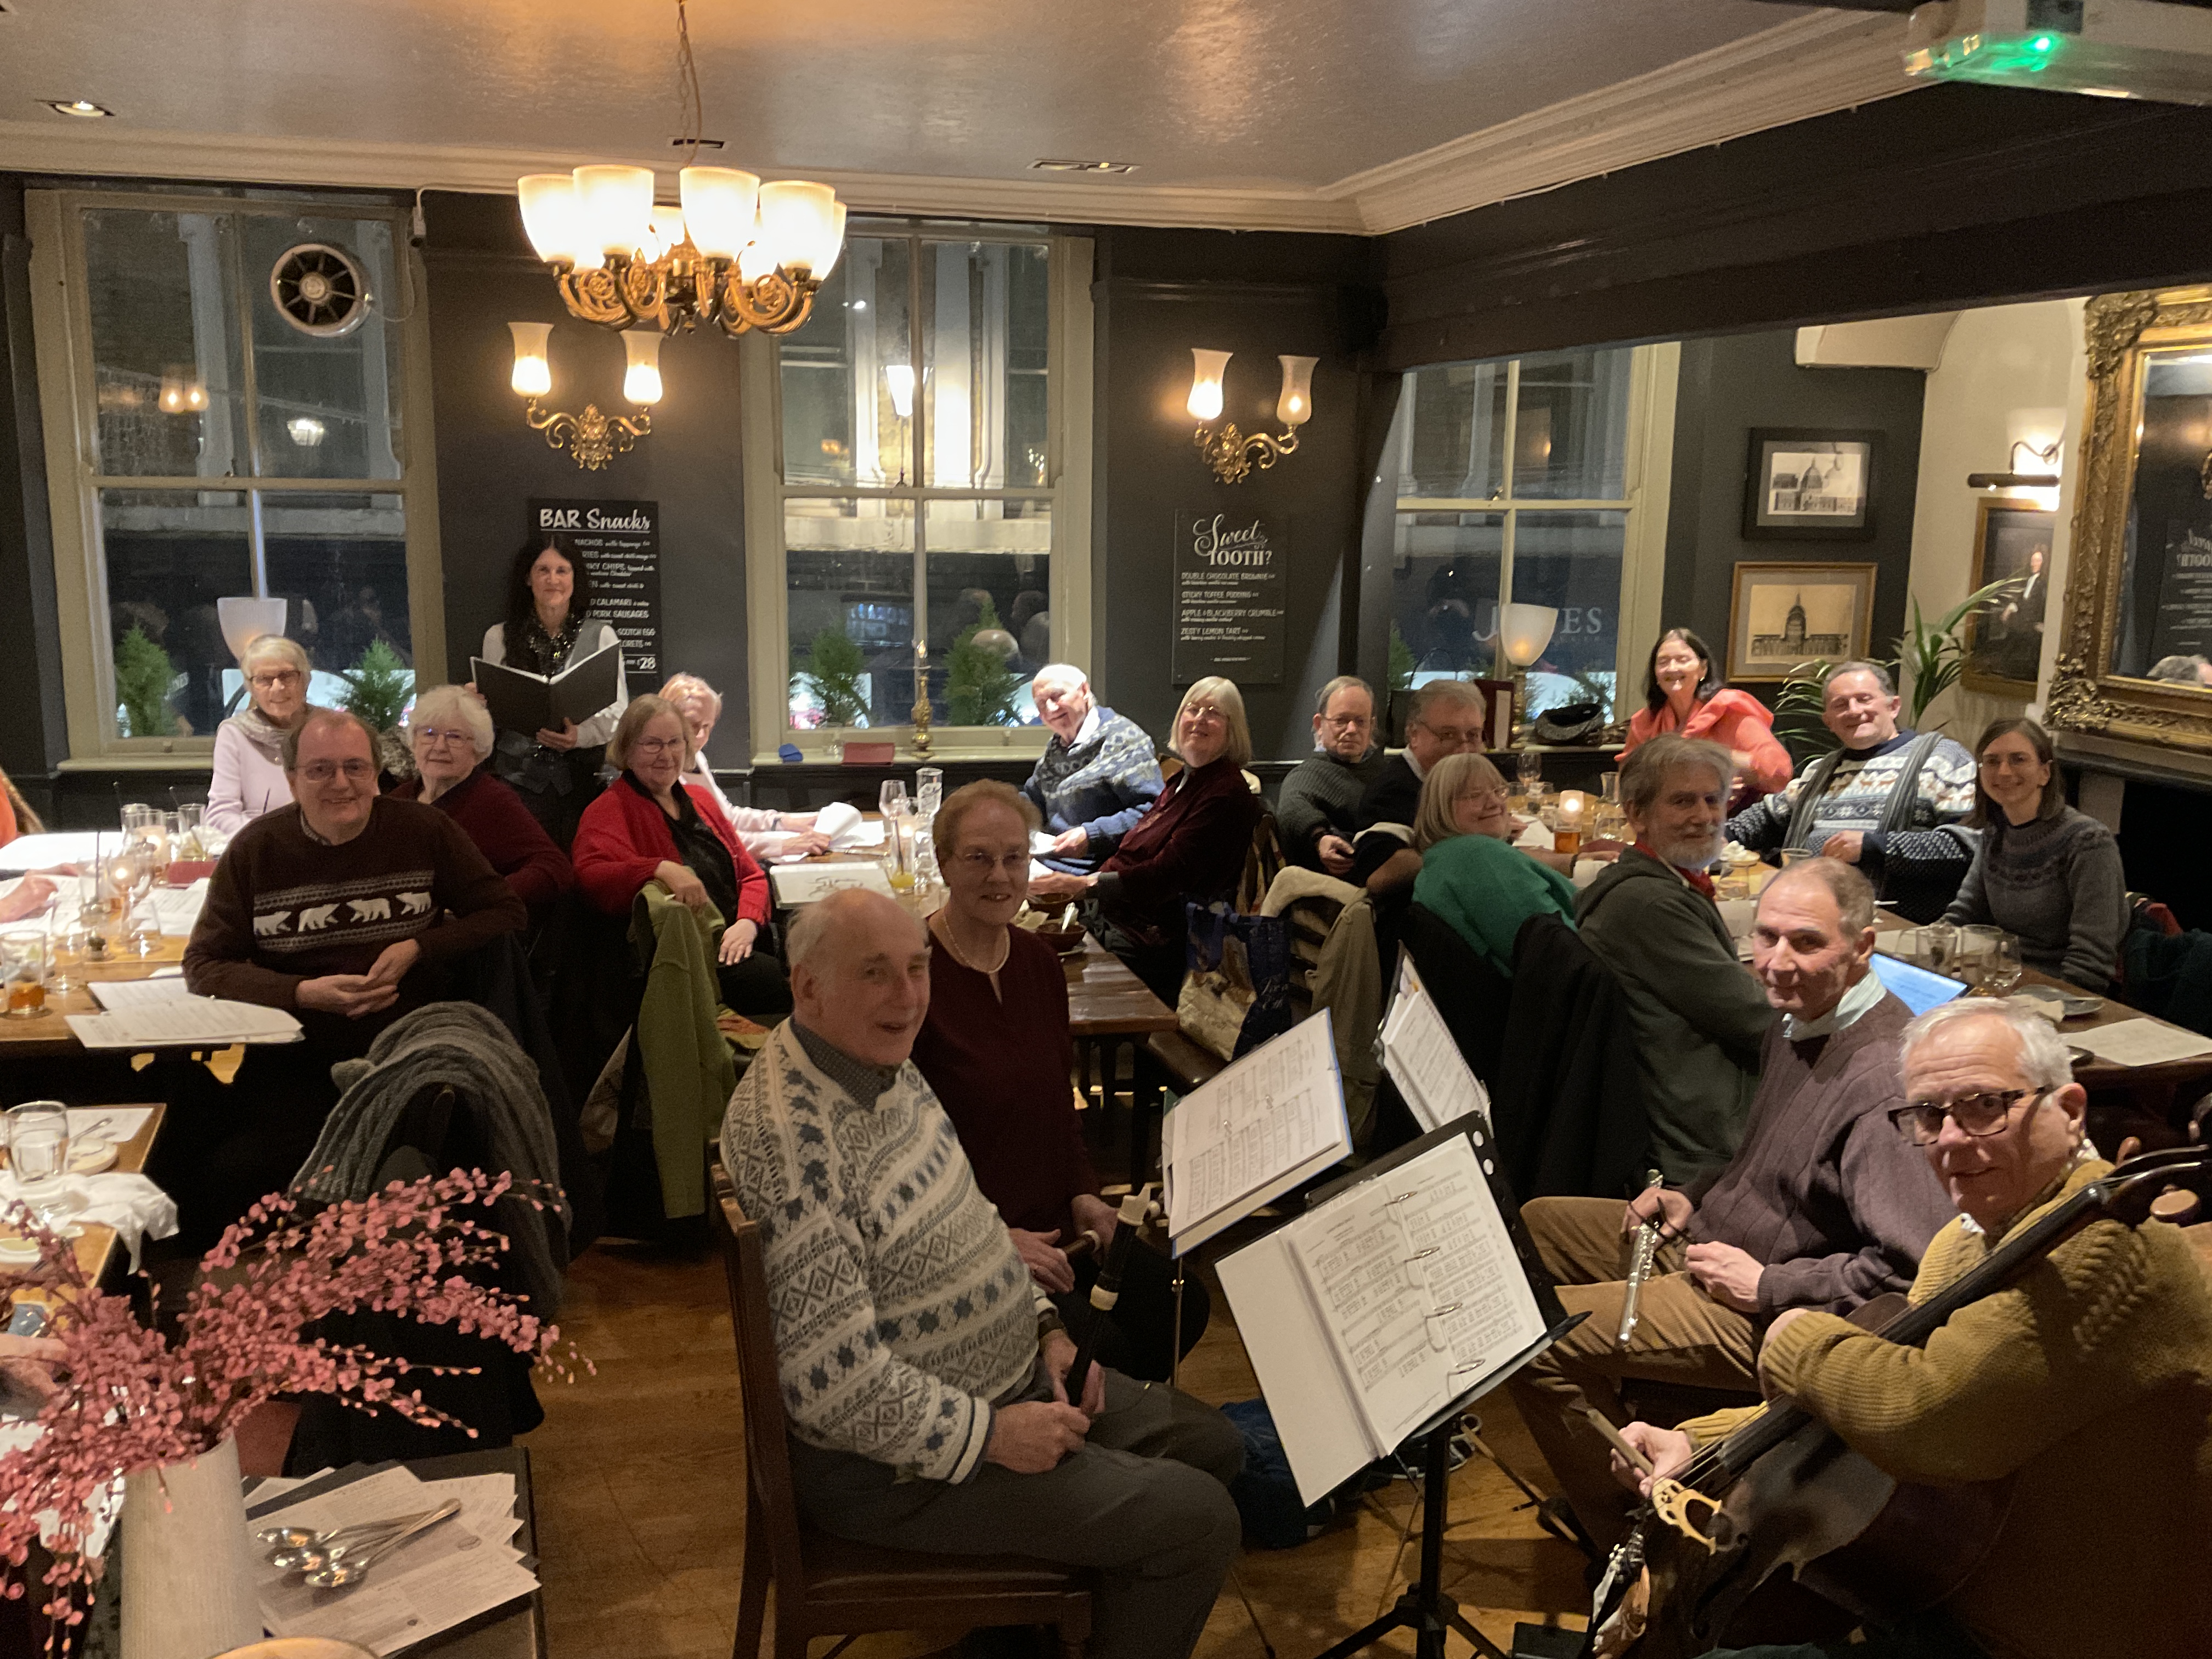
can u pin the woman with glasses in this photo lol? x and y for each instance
(1191, 846)
(451, 735)
(2043, 872)
(649, 825)
(1471, 875)
(1010, 1101)
(249, 762)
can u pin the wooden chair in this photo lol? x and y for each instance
(1263, 862)
(826, 1586)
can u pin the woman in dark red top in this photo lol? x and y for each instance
(451, 735)
(650, 826)
(1192, 845)
(996, 1050)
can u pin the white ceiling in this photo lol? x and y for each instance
(1317, 114)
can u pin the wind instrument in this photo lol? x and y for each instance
(1639, 1266)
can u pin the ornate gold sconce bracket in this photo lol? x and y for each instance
(592, 438)
(1232, 455)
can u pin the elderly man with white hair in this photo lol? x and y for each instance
(1098, 775)
(452, 738)
(2085, 1381)
(924, 1371)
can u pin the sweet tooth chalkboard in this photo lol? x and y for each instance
(1230, 574)
(621, 543)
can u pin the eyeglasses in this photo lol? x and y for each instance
(431, 736)
(1341, 721)
(657, 746)
(979, 862)
(1204, 711)
(270, 682)
(323, 771)
(1921, 1122)
(1483, 791)
(1448, 733)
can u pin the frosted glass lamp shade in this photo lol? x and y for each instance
(898, 379)
(553, 220)
(1295, 406)
(796, 221)
(1527, 630)
(245, 620)
(533, 373)
(1207, 368)
(641, 379)
(615, 208)
(827, 261)
(664, 231)
(719, 205)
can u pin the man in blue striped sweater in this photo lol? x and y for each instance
(924, 1372)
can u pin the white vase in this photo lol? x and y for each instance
(187, 1577)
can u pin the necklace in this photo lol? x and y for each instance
(1005, 949)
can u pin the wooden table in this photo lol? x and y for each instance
(96, 1246)
(46, 1033)
(1109, 1007)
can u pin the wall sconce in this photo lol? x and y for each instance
(2047, 453)
(592, 438)
(1232, 454)
(1523, 631)
(182, 393)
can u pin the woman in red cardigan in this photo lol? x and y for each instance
(1682, 693)
(451, 735)
(651, 826)
(1191, 845)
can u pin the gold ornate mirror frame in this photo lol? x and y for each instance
(2086, 696)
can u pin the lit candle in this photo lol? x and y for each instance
(1572, 804)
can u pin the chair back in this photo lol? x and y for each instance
(1263, 862)
(1308, 921)
(774, 1507)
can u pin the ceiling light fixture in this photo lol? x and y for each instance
(739, 254)
(1050, 165)
(79, 107)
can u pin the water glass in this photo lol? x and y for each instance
(2003, 970)
(1977, 952)
(928, 791)
(23, 971)
(69, 936)
(1938, 947)
(898, 849)
(38, 1153)
(188, 844)
(1609, 788)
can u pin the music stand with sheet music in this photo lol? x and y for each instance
(1296, 1387)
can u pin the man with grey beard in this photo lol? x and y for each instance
(1700, 1016)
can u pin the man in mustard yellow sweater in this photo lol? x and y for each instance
(2089, 1382)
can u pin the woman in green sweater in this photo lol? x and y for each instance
(1471, 875)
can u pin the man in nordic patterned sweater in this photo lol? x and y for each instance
(1891, 801)
(1097, 777)
(924, 1373)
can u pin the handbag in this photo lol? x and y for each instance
(1236, 979)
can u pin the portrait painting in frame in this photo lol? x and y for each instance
(2004, 640)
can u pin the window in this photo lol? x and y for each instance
(202, 449)
(918, 494)
(1537, 480)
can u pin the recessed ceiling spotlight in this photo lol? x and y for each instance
(77, 106)
(686, 143)
(1052, 166)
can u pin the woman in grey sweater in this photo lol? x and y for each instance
(2043, 872)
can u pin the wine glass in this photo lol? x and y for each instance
(1528, 767)
(38, 1154)
(892, 799)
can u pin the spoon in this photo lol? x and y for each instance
(298, 1546)
(338, 1574)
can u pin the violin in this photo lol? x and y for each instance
(1784, 1492)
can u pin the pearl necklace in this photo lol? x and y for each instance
(1005, 949)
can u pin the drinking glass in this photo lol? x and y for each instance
(892, 797)
(69, 937)
(898, 849)
(38, 1154)
(23, 969)
(2003, 970)
(1528, 767)
(1609, 788)
(1939, 946)
(928, 791)
(190, 816)
(1976, 950)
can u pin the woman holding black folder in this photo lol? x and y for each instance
(548, 626)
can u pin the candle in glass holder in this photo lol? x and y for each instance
(1567, 831)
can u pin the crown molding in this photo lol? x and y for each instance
(1806, 67)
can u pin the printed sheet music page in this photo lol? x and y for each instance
(1270, 1120)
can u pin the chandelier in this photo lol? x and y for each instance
(737, 253)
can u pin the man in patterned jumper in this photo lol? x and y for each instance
(1097, 777)
(923, 1371)
(1892, 801)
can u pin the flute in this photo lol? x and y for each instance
(1639, 1266)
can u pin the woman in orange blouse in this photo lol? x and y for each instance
(1682, 692)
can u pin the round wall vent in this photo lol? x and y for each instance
(320, 289)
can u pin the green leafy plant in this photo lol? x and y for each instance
(831, 676)
(378, 688)
(143, 675)
(1401, 661)
(979, 689)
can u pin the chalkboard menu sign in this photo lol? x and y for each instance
(2183, 623)
(621, 543)
(1229, 586)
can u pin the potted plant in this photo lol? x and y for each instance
(377, 689)
(830, 674)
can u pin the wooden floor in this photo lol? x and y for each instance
(639, 1472)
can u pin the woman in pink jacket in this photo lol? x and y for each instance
(1683, 693)
(249, 766)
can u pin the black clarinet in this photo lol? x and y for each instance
(1106, 1290)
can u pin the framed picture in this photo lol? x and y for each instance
(2004, 643)
(1806, 483)
(1784, 615)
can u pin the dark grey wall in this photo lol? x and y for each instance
(483, 275)
(32, 730)
(1736, 382)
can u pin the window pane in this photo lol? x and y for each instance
(165, 365)
(170, 556)
(1571, 561)
(1571, 435)
(341, 562)
(990, 627)
(1444, 609)
(847, 374)
(849, 573)
(325, 407)
(1456, 436)
(984, 332)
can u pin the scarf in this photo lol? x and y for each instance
(1697, 879)
(532, 647)
(264, 734)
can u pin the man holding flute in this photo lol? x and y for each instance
(1823, 1206)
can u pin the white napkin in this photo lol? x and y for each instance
(839, 819)
(130, 1203)
(1536, 837)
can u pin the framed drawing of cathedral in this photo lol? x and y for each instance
(1804, 484)
(1783, 615)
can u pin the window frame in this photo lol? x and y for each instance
(1646, 487)
(1068, 487)
(61, 320)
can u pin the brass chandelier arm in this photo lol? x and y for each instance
(1232, 455)
(592, 438)
(777, 303)
(683, 289)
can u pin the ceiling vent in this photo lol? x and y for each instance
(320, 289)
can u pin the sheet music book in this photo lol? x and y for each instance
(1423, 1059)
(194, 1020)
(803, 884)
(1373, 1312)
(1273, 1119)
(522, 701)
